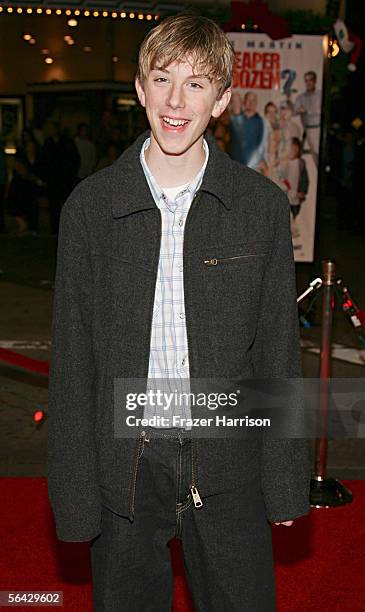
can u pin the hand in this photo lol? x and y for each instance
(286, 523)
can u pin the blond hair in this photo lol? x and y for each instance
(187, 36)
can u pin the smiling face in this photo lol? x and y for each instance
(310, 82)
(179, 103)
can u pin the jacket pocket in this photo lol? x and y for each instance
(232, 254)
(214, 261)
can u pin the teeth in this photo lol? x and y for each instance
(174, 121)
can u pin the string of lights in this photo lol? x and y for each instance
(72, 13)
(73, 16)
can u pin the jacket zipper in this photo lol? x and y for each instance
(214, 261)
(138, 454)
(193, 487)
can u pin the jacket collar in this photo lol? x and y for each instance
(130, 191)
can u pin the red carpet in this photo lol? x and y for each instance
(320, 561)
(36, 366)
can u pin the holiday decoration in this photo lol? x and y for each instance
(349, 42)
(258, 14)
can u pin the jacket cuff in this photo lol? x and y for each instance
(289, 515)
(72, 536)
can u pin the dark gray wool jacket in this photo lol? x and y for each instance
(241, 318)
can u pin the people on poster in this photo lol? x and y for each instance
(294, 180)
(308, 107)
(282, 81)
(289, 129)
(247, 129)
(220, 129)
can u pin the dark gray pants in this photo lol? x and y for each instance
(226, 543)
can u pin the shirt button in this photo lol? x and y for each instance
(183, 361)
(182, 315)
(181, 268)
(181, 222)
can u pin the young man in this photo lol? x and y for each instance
(175, 263)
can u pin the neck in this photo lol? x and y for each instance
(174, 170)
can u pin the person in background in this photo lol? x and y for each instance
(25, 188)
(3, 185)
(60, 163)
(86, 150)
(112, 153)
(117, 138)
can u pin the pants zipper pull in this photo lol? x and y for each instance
(196, 497)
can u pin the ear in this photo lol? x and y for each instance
(140, 92)
(221, 104)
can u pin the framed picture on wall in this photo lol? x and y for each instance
(11, 120)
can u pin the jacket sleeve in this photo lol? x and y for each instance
(285, 468)
(72, 470)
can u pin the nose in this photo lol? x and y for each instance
(175, 97)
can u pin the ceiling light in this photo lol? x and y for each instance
(48, 11)
(105, 13)
(58, 12)
(149, 17)
(27, 36)
(19, 10)
(141, 16)
(123, 15)
(86, 13)
(48, 60)
(32, 41)
(77, 12)
(115, 59)
(95, 13)
(131, 15)
(68, 12)
(114, 15)
(10, 9)
(73, 23)
(30, 11)
(39, 11)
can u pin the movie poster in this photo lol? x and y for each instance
(273, 122)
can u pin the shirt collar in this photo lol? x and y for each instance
(156, 190)
(129, 190)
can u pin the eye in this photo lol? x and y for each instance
(160, 79)
(196, 85)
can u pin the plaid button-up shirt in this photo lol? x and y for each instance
(169, 357)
